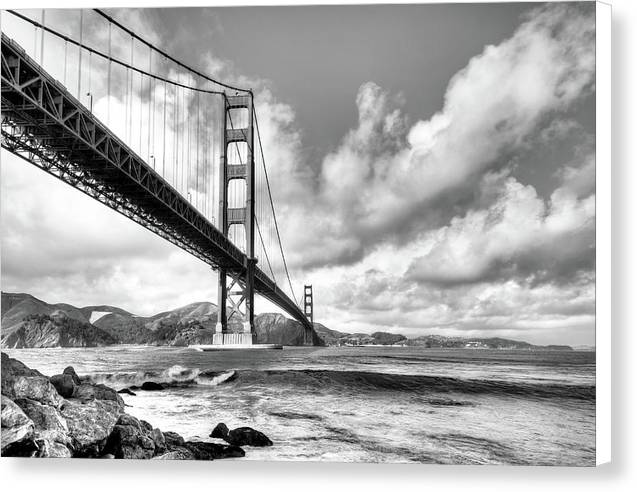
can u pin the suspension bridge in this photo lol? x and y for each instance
(108, 112)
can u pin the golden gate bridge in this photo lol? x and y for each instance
(106, 111)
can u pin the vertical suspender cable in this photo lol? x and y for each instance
(130, 94)
(189, 154)
(152, 99)
(79, 65)
(90, 59)
(66, 50)
(197, 159)
(35, 42)
(42, 41)
(141, 110)
(183, 142)
(108, 82)
(177, 125)
(163, 159)
(150, 81)
(174, 135)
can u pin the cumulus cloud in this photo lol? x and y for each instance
(517, 236)
(388, 180)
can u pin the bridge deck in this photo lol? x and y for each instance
(43, 123)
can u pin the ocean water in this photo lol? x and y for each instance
(361, 404)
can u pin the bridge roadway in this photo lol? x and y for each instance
(47, 126)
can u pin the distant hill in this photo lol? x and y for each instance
(333, 337)
(276, 328)
(437, 341)
(15, 307)
(31, 322)
(55, 330)
(329, 337)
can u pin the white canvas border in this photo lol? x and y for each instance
(603, 314)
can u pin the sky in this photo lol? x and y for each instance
(432, 167)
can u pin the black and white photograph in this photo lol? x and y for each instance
(309, 233)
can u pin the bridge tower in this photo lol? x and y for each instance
(308, 309)
(236, 287)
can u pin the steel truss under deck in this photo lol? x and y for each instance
(44, 124)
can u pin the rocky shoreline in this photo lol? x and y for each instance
(65, 416)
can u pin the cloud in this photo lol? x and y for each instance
(62, 246)
(517, 236)
(387, 181)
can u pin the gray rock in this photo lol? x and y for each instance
(131, 439)
(64, 384)
(16, 426)
(213, 451)
(173, 439)
(13, 367)
(159, 440)
(151, 386)
(71, 372)
(177, 454)
(220, 431)
(51, 432)
(90, 423)
(241, 436)
(88, 392)
(48, 448)
(44, 417)
(36, 388)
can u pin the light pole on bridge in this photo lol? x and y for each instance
(91, 101)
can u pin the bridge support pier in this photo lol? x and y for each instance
(308, 305)
(235, 323)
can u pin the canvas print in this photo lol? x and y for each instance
(345, 233)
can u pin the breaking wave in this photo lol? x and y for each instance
(179, 376)
(174, 376)
(373, 381)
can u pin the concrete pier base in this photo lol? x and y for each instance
(244, 339)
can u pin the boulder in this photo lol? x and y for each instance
(88, 392)
(36, 388)
(131, 439)
(151, 386)
(127, 391)
(220, 431)
(173, 439)
(13, 367)
(50, 432)
(213, 451)
(241, 436)
(26, 448)
(90, 423)
(44, 417)
(64, 384)
(160, 441)
(16, 427)
(177, 454)
(71, 372)
(19, 381)
(48, 448)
